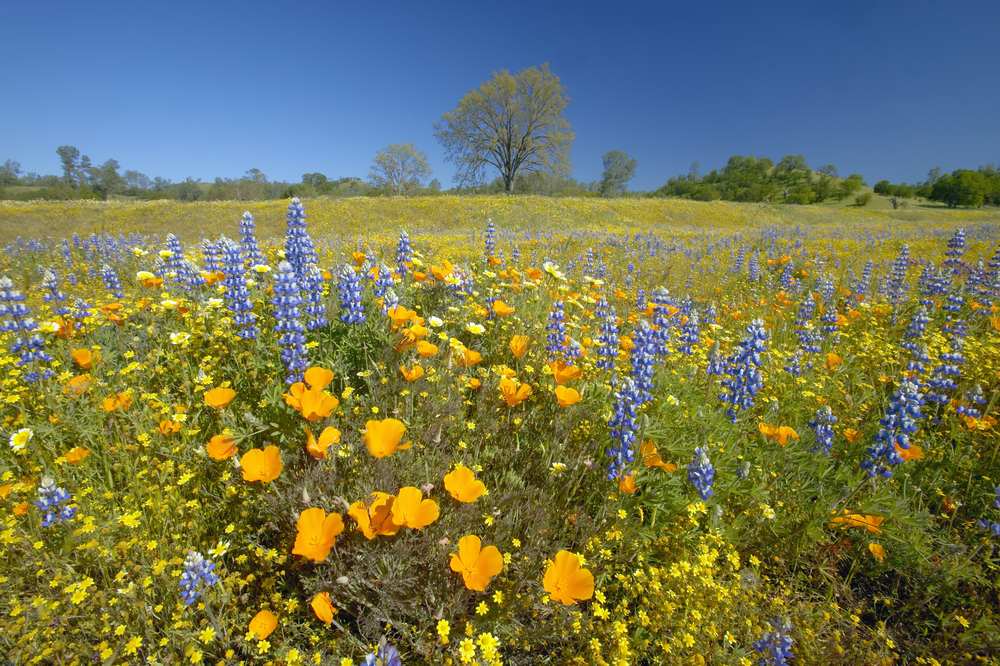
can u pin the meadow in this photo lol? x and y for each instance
(498, 430)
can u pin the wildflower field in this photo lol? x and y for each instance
(498, 431)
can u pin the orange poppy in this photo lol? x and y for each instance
(323, 607)
(626, 483)
(221, 447)
(468, 358)
(21, 509)
(912, 453)
(263, 624)
(534, 274)
(562, 372)
(316, 533)
(5, 490)
(411, 510)
(400, 315)
(318, 449)
(567, 396)
(313, 403)
(476, 564)
(781, 433)
(169, 428)
(219, 397)
(832, 361)
(78, 384)
(375, 519)
(502, 309)
(474, 383)
(118, 401)
(382, 437)
(463, 485)
(566, 581)
(360, 258)
(513, 393)
(877, 550)
(77, 455)
(519, 345)
(852, 435)
(870, 523)
(426, 349)
(650, 458)
(413, 374)
(261, 465)
(85, 359)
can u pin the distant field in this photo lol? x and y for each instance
(445, 214)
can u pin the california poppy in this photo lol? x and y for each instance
(221, 447)
(463, 485)
(476, 564)
(316, 533)
(564, 373)
(77, 455)
(467, 357)
(413, 374)
(870, 523)
(78, 384)
(502, 309)
(117, 401)
(323, 607)
(566, 581)
(912, 453)
(85, 359)
(376, 518)
(426, 349)
(626, 483)
(400, 315)
(567, 396)
(852, 435)
(219, 397)
(877, 550)
(650, 458)
(168, 428)
(313, 403)
(5, 490)
(318, 449)
(21, 509)
(780, 433)
(382, 437)
(263, 624)
(519, 345)
(261, 465)
(833, 360)
(513, 393)
(411, 510)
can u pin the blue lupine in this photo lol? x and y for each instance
(794, 365)
(314, 309)
(743, 368)
(956, 248)
(28, 345)
(775, 647)
(556, 338)
(607, 334)
(54, 503)
(663, 320)
(491, 238)
(701, 473)
(862, 286)
(805, 331)
(383, 282)
(404, 252)
(822, 427)
(349, 288)
(196, 569)
(50, 283)
(111, 282)
(896, 285)
(237, 294)
(737, 266)
(299, 249)
(753, 268)
(787, 281)
(897, 426)
(689, 334)
(286, 303)
(250, 251)
(975, 397)
(211, 256)
(384, 655)
(716, 364)
(643, 360)
(623, 427)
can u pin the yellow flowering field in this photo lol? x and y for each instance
(497, 430)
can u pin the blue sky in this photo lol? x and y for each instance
(884, 89)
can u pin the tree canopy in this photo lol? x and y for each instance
(400, 168)
(618, 170)
(513, 123)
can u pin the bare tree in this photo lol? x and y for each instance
(400, 168)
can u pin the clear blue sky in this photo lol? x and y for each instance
(884, 89)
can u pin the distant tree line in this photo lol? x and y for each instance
(759, 179)
(962, 187)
